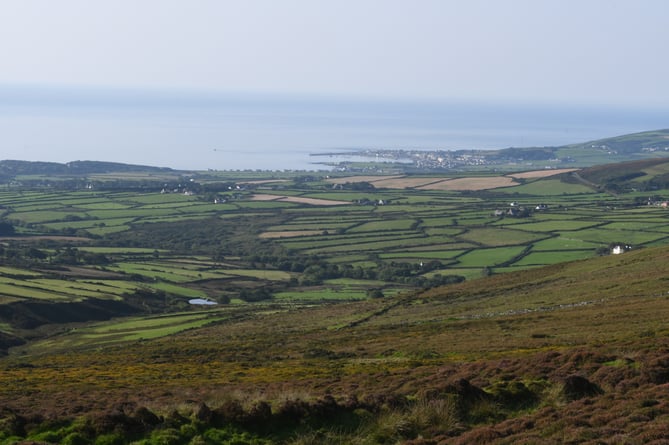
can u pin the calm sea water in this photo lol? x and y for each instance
(231, 132)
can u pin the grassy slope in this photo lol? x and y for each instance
(625, 171)
(602, 319)
(631, 143)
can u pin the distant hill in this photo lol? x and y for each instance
(644, 145)
(644, 142)
(10, 168)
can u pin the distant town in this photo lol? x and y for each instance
(443, 159)
(644, 145)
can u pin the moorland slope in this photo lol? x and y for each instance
(570, 353)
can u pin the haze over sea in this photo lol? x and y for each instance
(199, 131)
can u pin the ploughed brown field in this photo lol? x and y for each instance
(361, 178)
(404, 182)
(460, 184)
(298, 200)
(472, 183)
(542, 173)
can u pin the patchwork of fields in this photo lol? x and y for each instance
(400, 233)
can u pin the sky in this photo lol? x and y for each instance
(594, 52)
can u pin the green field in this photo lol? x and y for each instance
(180, 245)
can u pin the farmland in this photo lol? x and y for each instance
(358, 289)
(254, 238)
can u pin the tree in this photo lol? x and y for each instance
(6, 228)
(254, 295)
(375, 293)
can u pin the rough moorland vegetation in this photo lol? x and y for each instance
(575, 352)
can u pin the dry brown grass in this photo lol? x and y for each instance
(472, 183)
(290, 233)
(406, 182)
(298, 200)
(265, 197)
(458, 184)
(430, 183)
(541, 173)
(352, 179)
(313, 201)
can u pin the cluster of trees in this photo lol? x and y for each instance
(73, 256)
(7, 228)
(314, 271)
(27, 256)
(213, 236)
(257, 294)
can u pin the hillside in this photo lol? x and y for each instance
(643, 142)
(636, 146)
(648, 175)
(644, 145)
(575, 352)
(17, 167)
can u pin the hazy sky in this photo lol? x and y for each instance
(580, 51)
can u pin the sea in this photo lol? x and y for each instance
(199, 130)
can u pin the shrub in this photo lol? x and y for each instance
(514, 395)
(657, 370)
(188, 430)
(231, 436)
(577, 387)
(47, 436)
(375, 293)
(146, 417)
(203, 413)
(231, 411)
(110, 439)
(12, 424)
(198, 440)
(175, 420)
(258, 416)
(75, 439)
(168, 436)
(292, 411)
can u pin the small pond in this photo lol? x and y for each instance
(201, 301)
